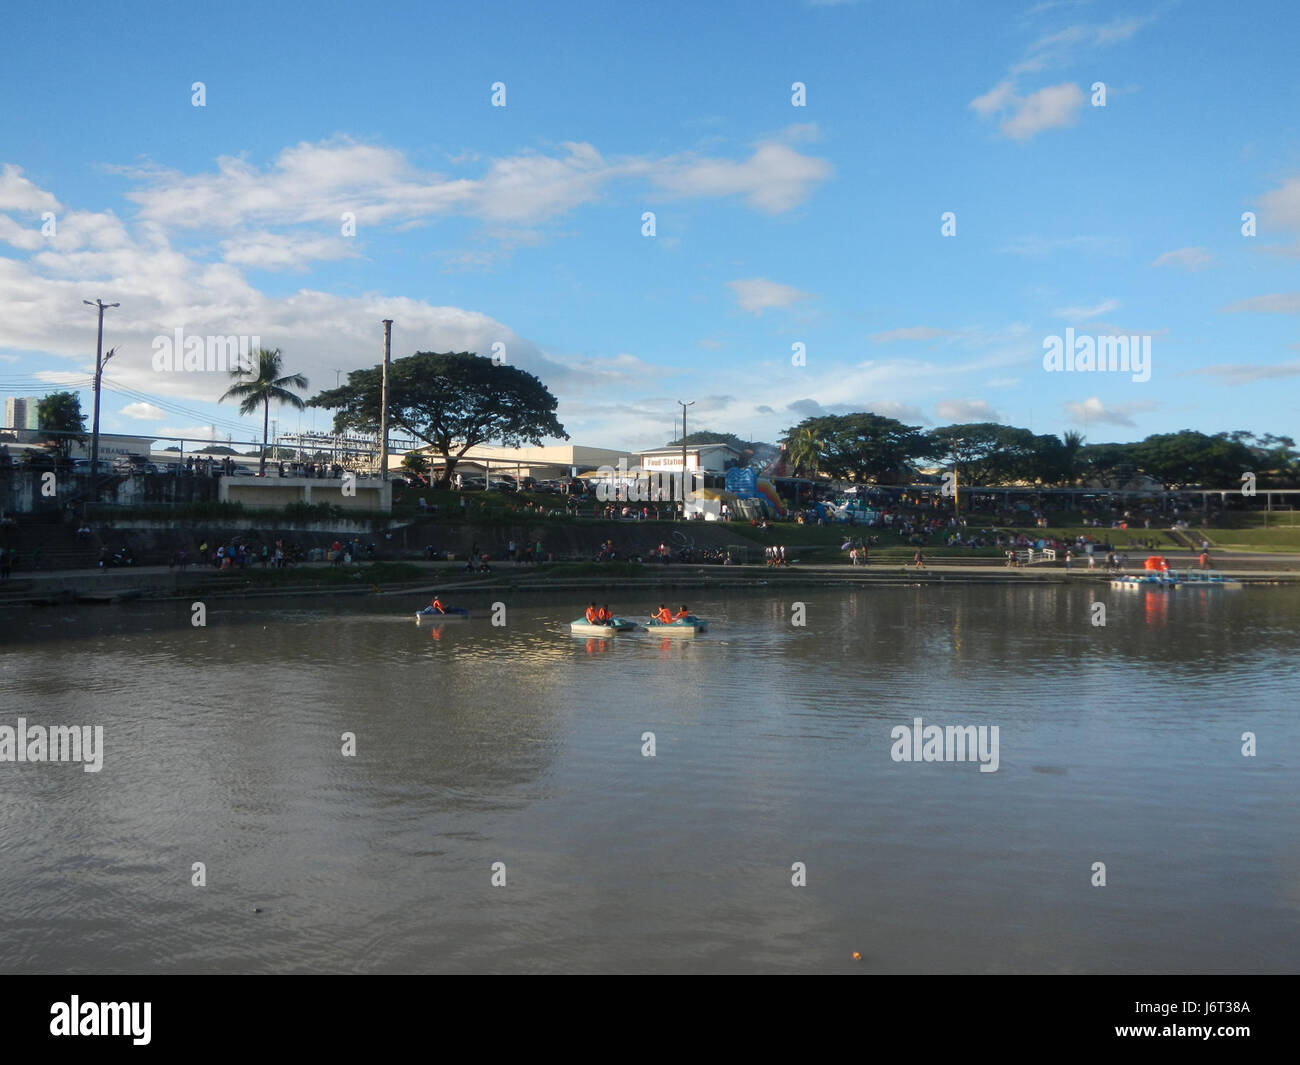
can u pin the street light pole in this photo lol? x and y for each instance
(99, 372)
(383, 400)
(684, 406)
(956, 499)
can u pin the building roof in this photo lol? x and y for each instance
(670, 449)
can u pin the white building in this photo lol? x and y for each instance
(706, 458)
(114, 446)
(22, 414)
(544, 463)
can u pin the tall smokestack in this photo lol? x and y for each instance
(383, 400)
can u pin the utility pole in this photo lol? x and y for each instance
(99, 372)
(684, 406)
(383, 400)
(956, 503)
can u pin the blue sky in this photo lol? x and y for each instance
(775, 224)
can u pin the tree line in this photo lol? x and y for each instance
(870, 448)
(454, 401)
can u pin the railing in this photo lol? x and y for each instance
(1029, 556)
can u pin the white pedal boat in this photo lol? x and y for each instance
(687, 626)
(583, 627)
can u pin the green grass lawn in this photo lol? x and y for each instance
(1267, 540)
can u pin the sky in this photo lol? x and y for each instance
(801, 162)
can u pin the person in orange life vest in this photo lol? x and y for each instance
(593, 615)
(437, 605)
(683, 613)
(604, 615)
(664, 616)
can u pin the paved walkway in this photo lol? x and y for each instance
(1285, 567)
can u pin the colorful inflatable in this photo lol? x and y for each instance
(767, 490)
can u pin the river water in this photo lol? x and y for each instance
(522, 745)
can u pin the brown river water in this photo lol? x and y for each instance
(774, 744)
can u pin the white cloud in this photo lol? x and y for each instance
(1081, 313)
(17, 193)
(1275, 303)
(915, 332)
(1074, 42)
(1280, 208)
(1093, 411)
(963, 411)
(1054, 107)
(1196, 258)
(142, 411)
(757, 294)
(1024, 117)
(998, 98)
(1282, 204)
(1247, 373)
(189, 433)
(280, 251)
(25, 238)
(774, 179)
(315, 183)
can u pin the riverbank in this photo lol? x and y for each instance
(418, 578)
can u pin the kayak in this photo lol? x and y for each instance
(451, 612)
(687, 626)
(583, 627)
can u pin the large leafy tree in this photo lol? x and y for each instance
(1108, 465)
(451, 401)
(59, 415)
(1186, 458)
(258, 386)
(1276, 460)
(863, 446)
(708, 436)
(986, 453)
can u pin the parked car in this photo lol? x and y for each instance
(83, 466)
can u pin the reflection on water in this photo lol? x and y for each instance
(523, 744)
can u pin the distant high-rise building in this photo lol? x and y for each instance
(21, 413)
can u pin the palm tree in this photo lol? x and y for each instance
(805, 452)
(257, 387)
(1073, 441)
